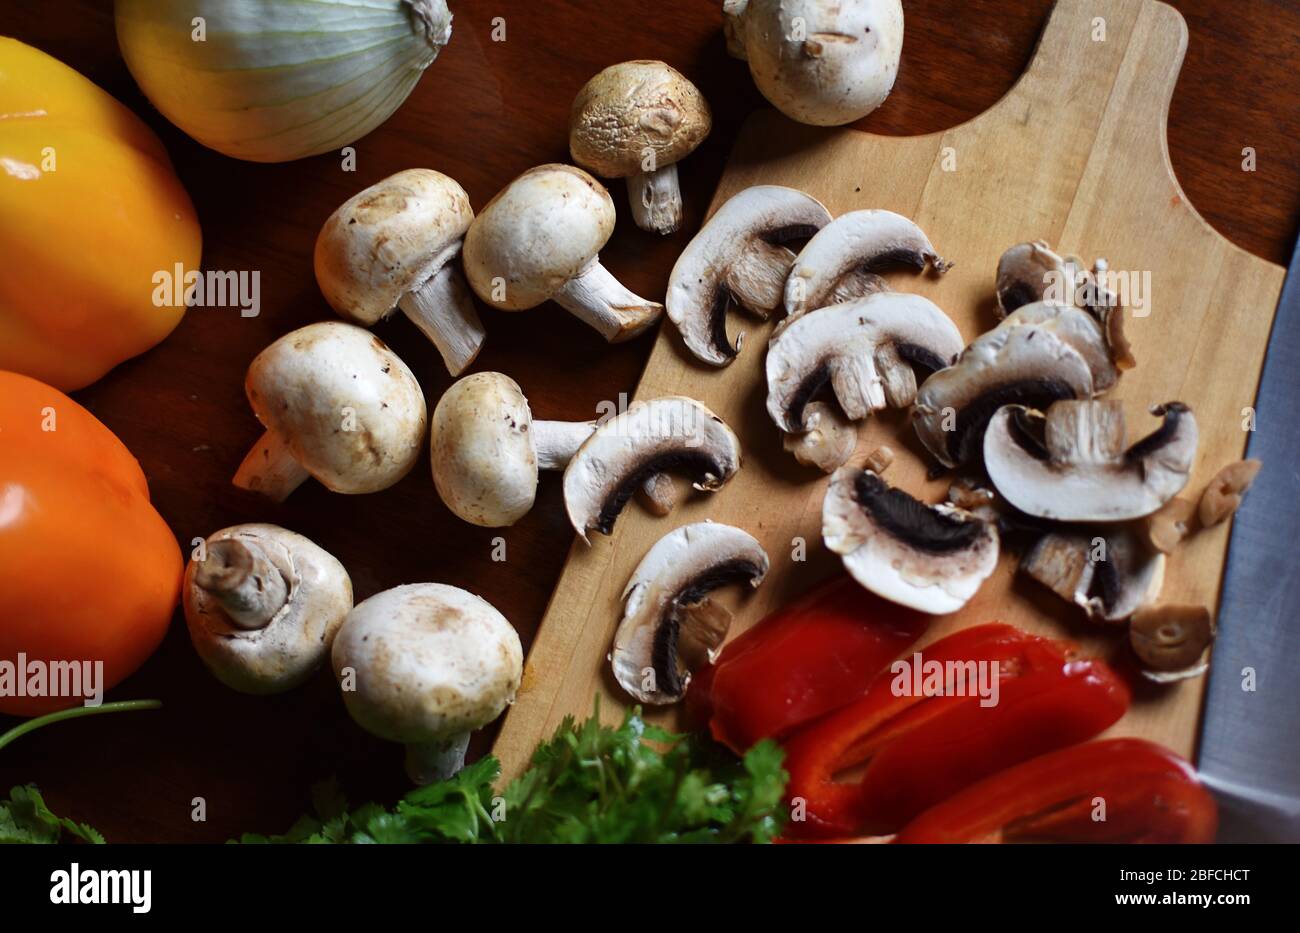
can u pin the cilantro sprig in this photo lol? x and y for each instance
(590, 783)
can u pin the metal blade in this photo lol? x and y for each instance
(1250, 738)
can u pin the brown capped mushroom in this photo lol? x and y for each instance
(397, 245)
(637, 120)
(1223, 496)
(263, 606)
(337, 404)
(1171, 640)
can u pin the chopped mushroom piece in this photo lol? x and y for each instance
(486, 449)
(396, 245)
(670, 434)
(844, 260)
(1171, 641)
(880, 459)
(1071, 465)
(738, 256)
(1109, 572)
(539, 240)
(666, 616)
(929, 558)
(1167, 527)
(829, 440)
(337, 404)
(263, 606)
(425, 665)
(637, 120)
(865, 350)
(1077, 328)
(1223, 496)
(658, 494)
(823, 62)
(1025, 365)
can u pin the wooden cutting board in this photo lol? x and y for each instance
(1074, 154)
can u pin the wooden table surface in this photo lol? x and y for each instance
(484, 112)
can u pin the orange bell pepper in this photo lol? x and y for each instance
(88, 570)
(90, 213)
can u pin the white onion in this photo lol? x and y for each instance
(280, 79)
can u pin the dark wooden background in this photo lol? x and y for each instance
(484, 112)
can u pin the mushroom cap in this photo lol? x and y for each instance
(929, 558)
(723, 255)
(431, 661)
(668, 434)
(823, 62)
(389, 239)
(679, 570)
(283, 653)
(840, 344)
(1077, 468)
(482, 450)
(349, 408)
(539, 232)
(842, 259)
(633, 110)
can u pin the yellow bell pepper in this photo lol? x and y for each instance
(90, 213)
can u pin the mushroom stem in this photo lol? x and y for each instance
(430, 762)
(557, 441)
(249, 587)
(443, 309)
(599, 299)
(271, 469)
(656, 200)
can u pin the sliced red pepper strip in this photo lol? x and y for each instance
(802, 661)
(1149, 795)
(918, 750)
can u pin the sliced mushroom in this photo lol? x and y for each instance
(1168, 526)
(1029, 273)
(666, 605)
(637, 120)
(425, 665)
(1019, 365)
(828, 440)
(1109, 572)
(337, 404)
(539, 240)
(740, 256)
(486, 449)
(1075, 327)
(865, 349)
(1223, 496)
(844, 260)
(670, 434)
(930, 558)
(1171, 641)
(824, 62)
(263, 606)
(1071, 464)
(396, 245)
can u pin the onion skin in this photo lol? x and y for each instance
(272, 82)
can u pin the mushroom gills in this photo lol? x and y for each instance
(704, 472)
(929, 558)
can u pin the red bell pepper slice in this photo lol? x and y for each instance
(806, 659)
(917, 750)
(1149, 795)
